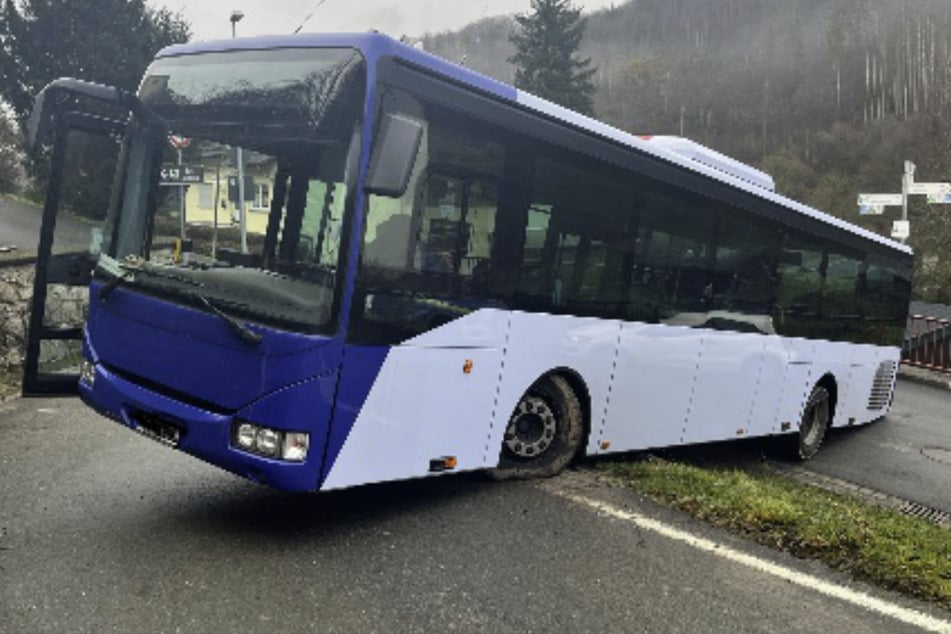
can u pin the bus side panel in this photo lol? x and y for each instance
(541, 342)
(836, 359)
(434, 397)
(725, 388)
(853, 393)
(764, 410)
(656, 368)
(797, 380)
(865, 363)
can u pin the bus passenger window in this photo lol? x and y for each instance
(441, 226)
(427, 256)
(799, 288)
(577, 223)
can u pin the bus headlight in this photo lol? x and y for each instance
(246, 435)
(291, 446)
(267, 441)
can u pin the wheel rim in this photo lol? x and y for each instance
(815, 422)
(532, 428)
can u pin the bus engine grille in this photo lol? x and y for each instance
(882, 385)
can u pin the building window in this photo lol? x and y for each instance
(206, 196)
(262, 196)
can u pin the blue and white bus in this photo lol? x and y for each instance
(443, 274)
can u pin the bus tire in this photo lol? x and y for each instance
(543, 433)
(816, 417)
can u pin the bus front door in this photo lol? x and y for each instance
(82, 168)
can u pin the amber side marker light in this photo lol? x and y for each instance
(467, 367)
(446, 463)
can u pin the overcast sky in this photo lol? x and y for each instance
(210, 18)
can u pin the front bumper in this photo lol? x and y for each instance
(202, 433)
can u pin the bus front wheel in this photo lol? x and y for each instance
(815, 423)
(543, 433)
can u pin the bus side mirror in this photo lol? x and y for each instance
(38, 128)
(394, 156)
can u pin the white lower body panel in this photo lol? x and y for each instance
(644, 385)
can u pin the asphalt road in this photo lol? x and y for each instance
(20, 227)
(104, 531)
(906, 454)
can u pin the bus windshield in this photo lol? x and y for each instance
(267, 136)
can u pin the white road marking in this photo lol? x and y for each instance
(860, 599)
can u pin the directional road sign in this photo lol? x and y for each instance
(939, 199)
(871, 210)
(901, 229)
(929, 189)
(884, 200)
(172, 174)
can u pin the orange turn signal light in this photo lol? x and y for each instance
(446, 463)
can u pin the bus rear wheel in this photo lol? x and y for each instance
(543, 433)
(814, 424)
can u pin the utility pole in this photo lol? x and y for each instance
(236, 16)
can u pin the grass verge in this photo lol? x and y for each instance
(878, 545)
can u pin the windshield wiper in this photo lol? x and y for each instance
(108, 287)
(244, 333)
(125, 270)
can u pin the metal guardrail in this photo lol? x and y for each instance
(927, 343)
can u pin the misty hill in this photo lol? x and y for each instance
(829, 96)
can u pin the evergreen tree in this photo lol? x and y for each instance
(9, 155)
(546, 59)
(107, 41)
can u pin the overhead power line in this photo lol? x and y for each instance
(309, 16)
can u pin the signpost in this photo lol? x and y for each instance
(180, 143)
(874, 204)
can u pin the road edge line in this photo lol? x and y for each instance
(860, 599)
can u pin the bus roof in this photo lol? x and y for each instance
(376, 45)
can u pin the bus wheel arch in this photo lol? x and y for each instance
(545, 431)
(817, 416)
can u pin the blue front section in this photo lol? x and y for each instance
(188, 369)
(162, 361)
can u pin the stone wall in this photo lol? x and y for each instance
(66, 306)
(16, 291)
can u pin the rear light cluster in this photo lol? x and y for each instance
(270, 443)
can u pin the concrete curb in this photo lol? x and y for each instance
(921, 376)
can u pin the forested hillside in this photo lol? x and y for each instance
(829, 96)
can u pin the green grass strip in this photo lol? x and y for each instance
(878, 545)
